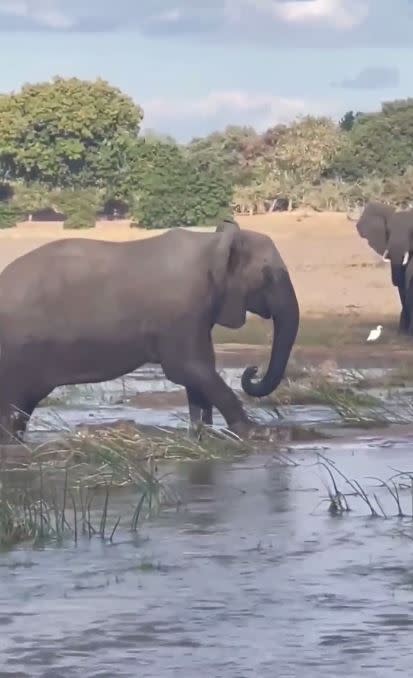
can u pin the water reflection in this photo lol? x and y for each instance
(251, 577)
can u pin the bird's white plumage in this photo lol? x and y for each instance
(374, 334)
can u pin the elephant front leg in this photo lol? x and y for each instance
(199, 408)
(202, 378)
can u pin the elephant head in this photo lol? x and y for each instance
(389, 233)
(251, 276)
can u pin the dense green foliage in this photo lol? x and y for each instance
(380, 144)
(233, 151)
(10, 215)
(72, 145)
(174, 189)
(63, 133)
(325, 165)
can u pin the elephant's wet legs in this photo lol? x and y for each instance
(199, 411)
(199, 408)
(218, 393)
(203, 379)
(205, 387)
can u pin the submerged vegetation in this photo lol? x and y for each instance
(69, 475)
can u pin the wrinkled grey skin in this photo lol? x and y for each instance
(82, 311)
(390, 234)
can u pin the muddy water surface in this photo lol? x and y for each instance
(251, 577)
(146, 398)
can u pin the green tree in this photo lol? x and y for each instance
(301, 152)
(379, 144)
(347, 121)
(66, 132)
(232, 152)
(175, 190)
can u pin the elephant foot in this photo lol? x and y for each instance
(195, 431)
(250, 431)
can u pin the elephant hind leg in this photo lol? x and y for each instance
(17, 406)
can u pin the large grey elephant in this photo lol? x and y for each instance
(390, 233)
(76, 311)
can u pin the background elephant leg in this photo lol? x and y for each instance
(404, 321)
(409, 309)
(199, 408)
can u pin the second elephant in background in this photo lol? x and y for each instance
(390, 233)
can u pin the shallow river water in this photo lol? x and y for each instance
(251, 577)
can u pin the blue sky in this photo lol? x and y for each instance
(197, 66)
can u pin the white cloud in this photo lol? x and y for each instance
(288, 23)
(169, 16)
(220, 108)
(339, 14)
(342, 14)
(46, 13)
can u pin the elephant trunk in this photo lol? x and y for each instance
(398, 254)
(398, 275)
(285, 315)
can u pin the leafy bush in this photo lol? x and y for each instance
(80, 207)
(175, 190)
(6, 191)
(10, 215)
(67, 132)
(306, 149)
(32, 197)
(379, 144)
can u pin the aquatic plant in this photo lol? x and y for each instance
(60, 505)
(80, 466)
(338, 499)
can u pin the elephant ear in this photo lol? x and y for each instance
(226, 260)
(373, 225)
